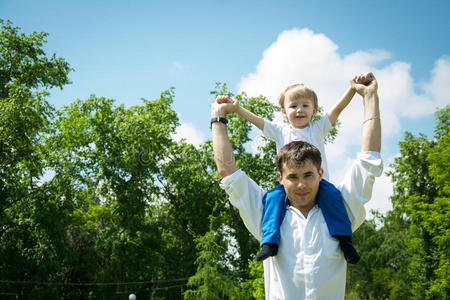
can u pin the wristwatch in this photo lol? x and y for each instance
(219, 119)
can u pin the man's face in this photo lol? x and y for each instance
(301, 184)
(299, 111)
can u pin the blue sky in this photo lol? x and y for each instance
(127, 50)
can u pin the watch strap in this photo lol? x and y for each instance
(219, 119)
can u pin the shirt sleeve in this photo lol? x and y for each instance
(246, 196)
(323, 125)
(274, 131)
(356, 189)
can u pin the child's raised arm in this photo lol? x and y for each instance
(334, 113)
(244, 113)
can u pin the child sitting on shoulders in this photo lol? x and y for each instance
(299, 104)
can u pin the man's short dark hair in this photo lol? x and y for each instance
(296, 153)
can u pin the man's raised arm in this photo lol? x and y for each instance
(356, 189)
(371, 128)
(223, 151)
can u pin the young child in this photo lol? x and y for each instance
(299, 104)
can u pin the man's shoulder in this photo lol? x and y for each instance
(239, 180)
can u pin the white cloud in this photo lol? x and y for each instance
(438, 87)
(382, 191)
(300, 55)
(188, 132)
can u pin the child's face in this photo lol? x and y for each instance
(298, 111)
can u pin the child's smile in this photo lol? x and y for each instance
(299, 111)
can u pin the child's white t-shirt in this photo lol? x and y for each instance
(314, 134)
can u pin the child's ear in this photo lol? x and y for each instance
(283, 111)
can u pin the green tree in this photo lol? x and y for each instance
(420, 192)
(25, 115)
(25, 73)
(106, 159)
(253, 286)
(210, 280)
(121, 201)
(382, 271)
(438, 220)
(188, 192)
(407, 256)
(411, 256)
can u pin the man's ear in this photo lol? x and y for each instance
(321, 173)
(280, 177)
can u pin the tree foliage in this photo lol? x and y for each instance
(98, 200)
(412, 243)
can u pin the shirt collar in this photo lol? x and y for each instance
(313, 210)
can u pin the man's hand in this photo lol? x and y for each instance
(223, 106)
(364, 84)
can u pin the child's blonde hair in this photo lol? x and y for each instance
(299, 90)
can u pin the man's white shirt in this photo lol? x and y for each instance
(309, 263)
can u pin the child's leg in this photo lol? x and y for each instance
(274, 202)
(330, 201)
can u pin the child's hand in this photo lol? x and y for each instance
(225, 104)
(225, 99)
(364, 79)
(364, 83)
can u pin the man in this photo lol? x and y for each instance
(309, 263)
